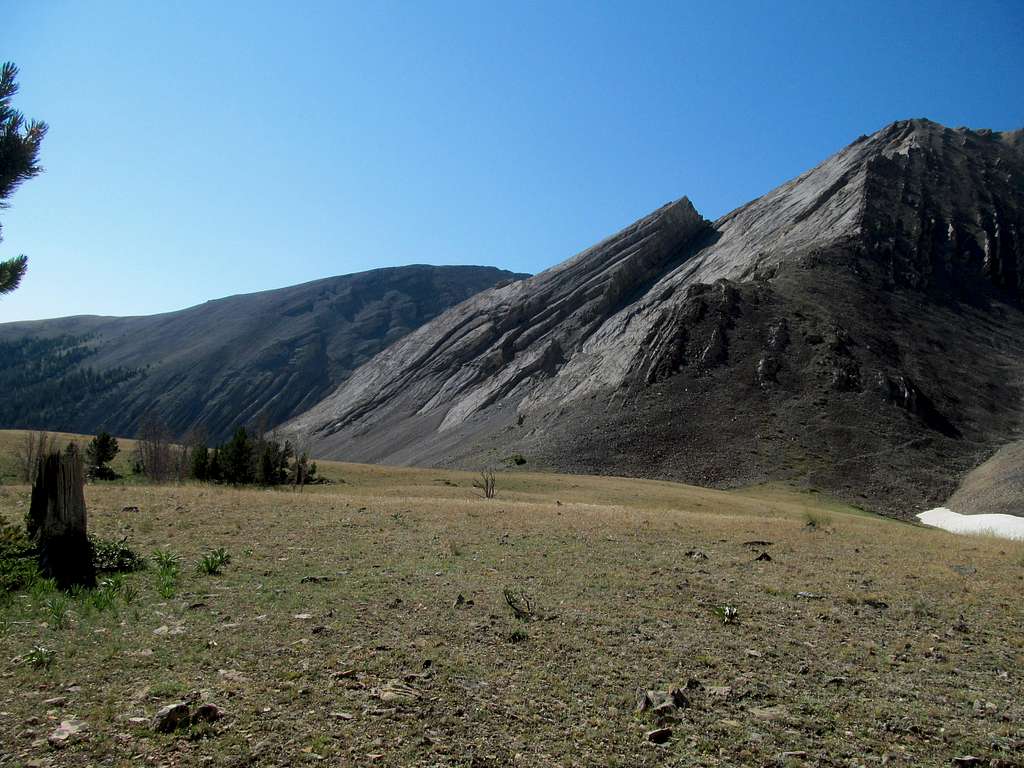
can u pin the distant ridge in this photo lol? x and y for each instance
(858, 330)
(251, 359)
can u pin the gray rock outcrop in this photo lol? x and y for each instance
(744, 349)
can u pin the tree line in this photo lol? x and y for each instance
(48, 382)
(250, 457)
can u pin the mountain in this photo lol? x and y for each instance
(994, 487)
(253, 359)
(856, 330)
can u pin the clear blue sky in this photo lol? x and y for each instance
(200, 149)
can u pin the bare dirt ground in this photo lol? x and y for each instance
(365, 623)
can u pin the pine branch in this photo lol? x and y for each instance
(11, 272)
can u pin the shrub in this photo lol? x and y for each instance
(213, 562)
(58, 607)
(129, 593)
(814, 519)
(520, 603)
(18, 567)
(39, 657)
(168, 566)
(115, 556)
(166, 560)
(105, 594)
(33, 446)
(486, 484)
(728, 614)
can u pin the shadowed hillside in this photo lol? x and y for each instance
(250, 359)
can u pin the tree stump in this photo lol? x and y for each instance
(57, 520)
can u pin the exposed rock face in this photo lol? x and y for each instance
(856, 329)
(261, 357)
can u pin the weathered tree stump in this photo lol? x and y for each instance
(57, 520)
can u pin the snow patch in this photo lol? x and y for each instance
(1004, 526)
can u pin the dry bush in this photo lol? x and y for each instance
(33, 447)
(486, 483)
(161, 459)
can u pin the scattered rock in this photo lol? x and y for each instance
(770, 713)
(66, 732)
(795, 755)
(342, 715)
(879, 604)
(207, 713)
(696, 554)
(129, 510)
(462, 602)
(764, 557)
(767, 369)
(178, 715)
(232, 675)
(658, 735)
(719, 691)
(809, 596)
(967, 761)
(716, 350)
(56, 701)
(754, 654)
(396, 692)
(661, 702)
(302, 616)
(164, 630)
(171, 718)
(964, 570)
(757, 543)
(315, 579)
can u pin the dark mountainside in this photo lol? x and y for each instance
(856, 330)
(250, 359)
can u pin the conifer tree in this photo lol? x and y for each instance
(101, 450)
(19, 155)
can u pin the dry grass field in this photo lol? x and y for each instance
(365, 623)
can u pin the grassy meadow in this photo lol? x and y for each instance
(365, 622)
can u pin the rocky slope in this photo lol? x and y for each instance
(250, 359)
(857, 329)
(994, 487)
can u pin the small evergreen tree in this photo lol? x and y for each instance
(266, 472)
(101, 451)
(200, 467)
(237, 459)
(214, 471)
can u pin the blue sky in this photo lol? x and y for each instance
(202, 149)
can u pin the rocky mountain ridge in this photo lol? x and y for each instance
(856, 329)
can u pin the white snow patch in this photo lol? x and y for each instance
(1003, 526)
